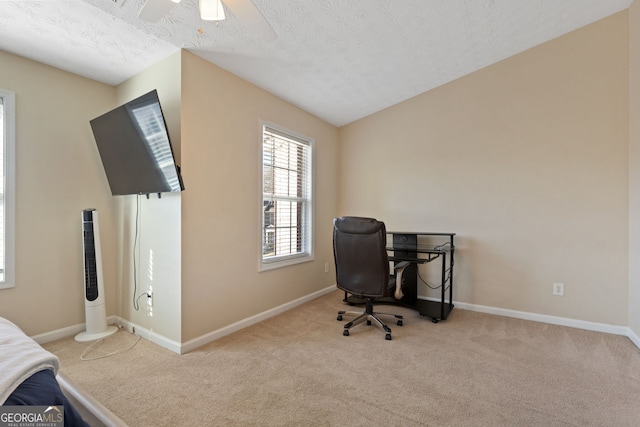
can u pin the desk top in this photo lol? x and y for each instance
(421, 233)
(410, 242)
(421, 248)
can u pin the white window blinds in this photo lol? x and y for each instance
(286, 202)
(7, 188)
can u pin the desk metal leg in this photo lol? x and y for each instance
(405, 248)
(444, 285)
(452, 262)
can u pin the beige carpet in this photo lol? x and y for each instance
(297, 369)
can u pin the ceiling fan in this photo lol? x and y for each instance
(213, 10)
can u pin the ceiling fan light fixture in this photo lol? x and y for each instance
(211, 10)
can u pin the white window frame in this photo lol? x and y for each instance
(8, 129)
(307, 254)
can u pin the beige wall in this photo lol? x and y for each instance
(221, 206)
(58, 174)
(634, 167)
(211, 255)
(527, 161)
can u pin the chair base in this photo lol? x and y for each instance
(370, 316)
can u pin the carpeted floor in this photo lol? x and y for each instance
(297, 369)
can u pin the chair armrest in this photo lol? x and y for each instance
(399, 269)
(401, 265)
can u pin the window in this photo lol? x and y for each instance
(7, 102)
(286, 197)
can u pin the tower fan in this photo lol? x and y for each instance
(94, 301)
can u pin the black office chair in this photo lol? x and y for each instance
(362, 267)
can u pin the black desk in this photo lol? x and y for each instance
(421, 248)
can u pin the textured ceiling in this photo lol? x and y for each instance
(338, 59)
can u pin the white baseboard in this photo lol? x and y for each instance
(111, 320)
(181, 348)
(176, 347)
(212, 336)
(145, 333)
(633, 337)
(553, 320)
(71, 331)
(59, 334)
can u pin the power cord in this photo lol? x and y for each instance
(144, 294)
(136, 306)
(136, 303)
(100, 341)
(447, 279)
(425, 282)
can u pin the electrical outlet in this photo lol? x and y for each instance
(326, 267)
(150, 298)
(558, 289)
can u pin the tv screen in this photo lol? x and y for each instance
(135, 149)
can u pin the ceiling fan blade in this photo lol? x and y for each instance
(154, 10)
(250, 16)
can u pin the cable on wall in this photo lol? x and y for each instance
(136, 305)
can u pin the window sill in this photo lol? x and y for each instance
(266, 266)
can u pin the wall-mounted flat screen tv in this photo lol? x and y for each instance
(135, 149)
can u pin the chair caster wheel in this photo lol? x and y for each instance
(345, 332)
(368, 322)
(339, 317)
(387, 337)
(399, 322)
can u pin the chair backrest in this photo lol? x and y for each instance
(359, 250)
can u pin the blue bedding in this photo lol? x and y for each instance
(42, 389)
(28, 374)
